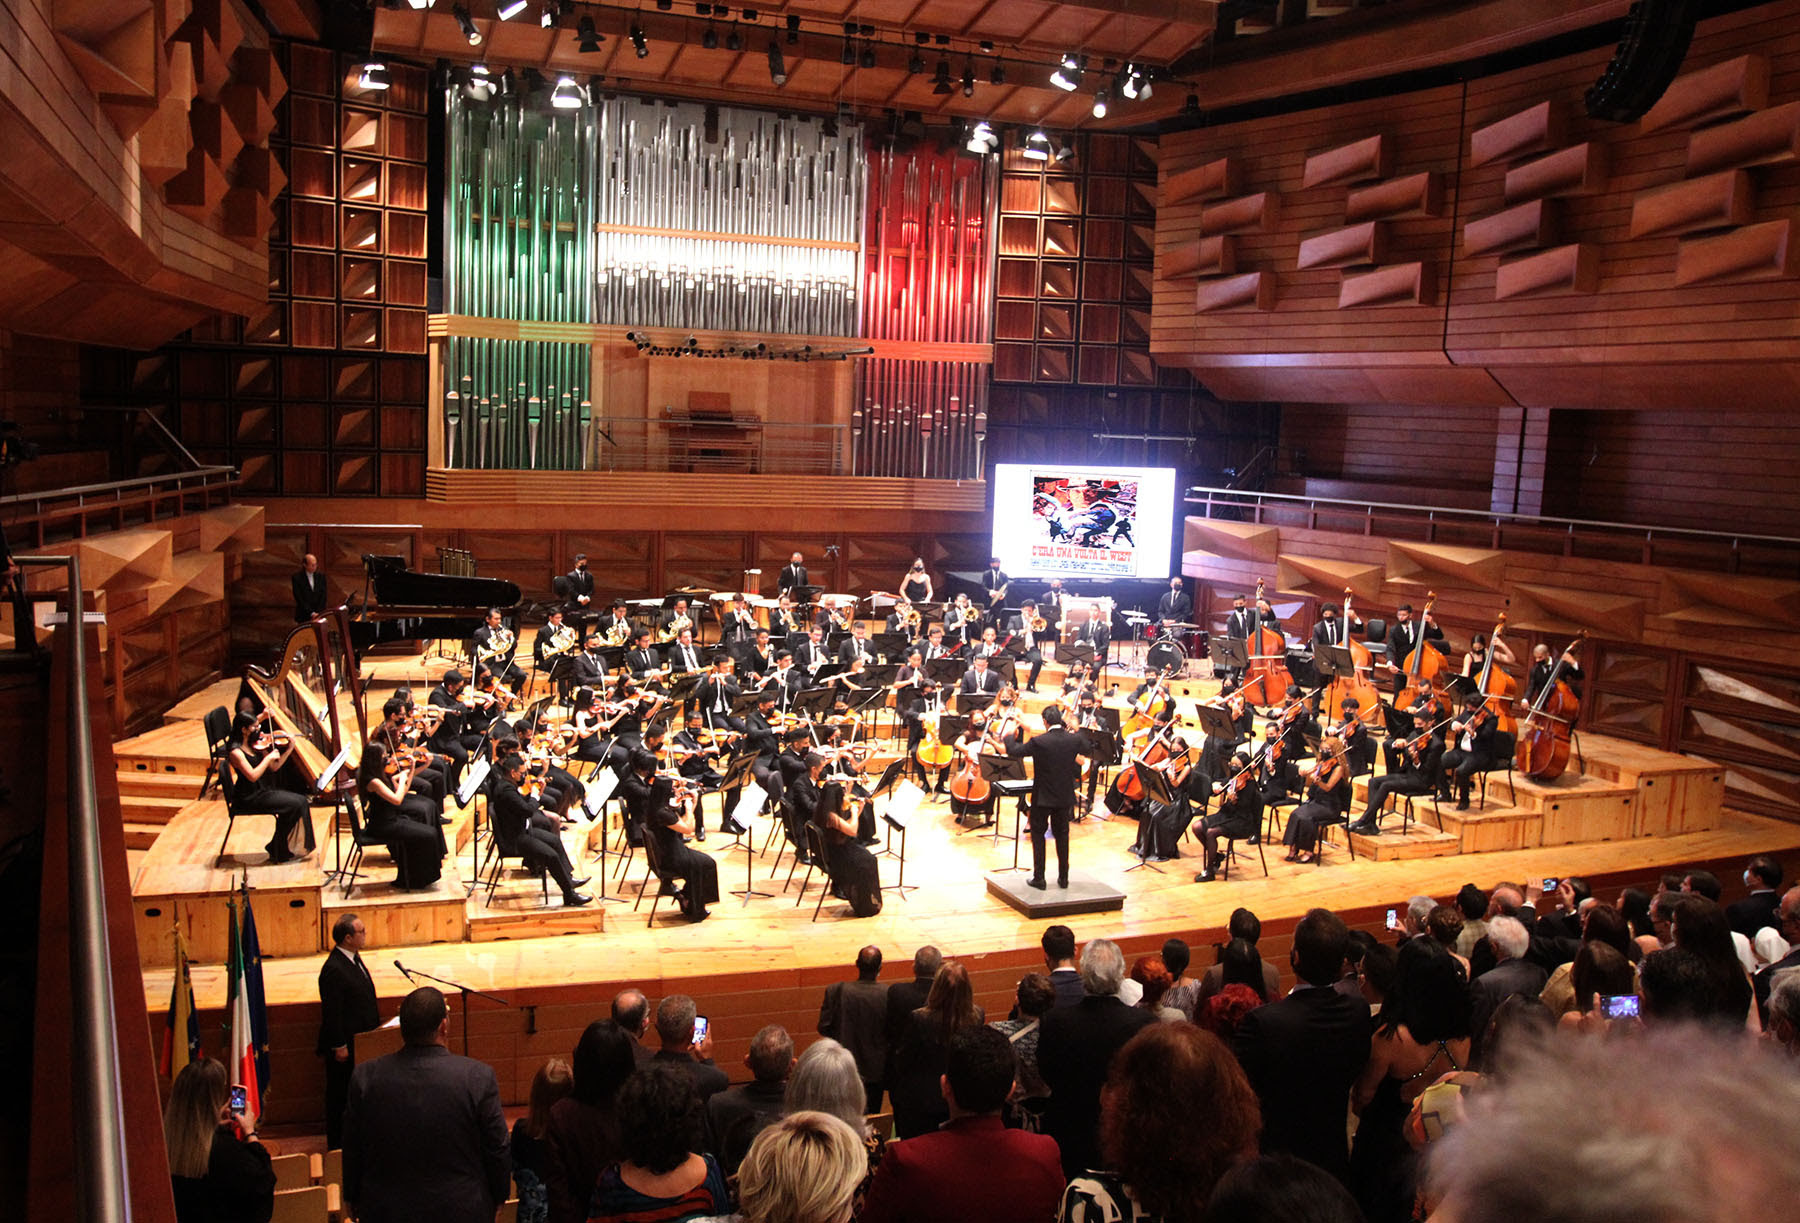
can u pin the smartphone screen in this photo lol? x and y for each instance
(1393, 920)
(1619, 1006)
(240, 1099)
(1550, 883)
(700, 1027)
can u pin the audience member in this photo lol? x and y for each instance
(1152, 977)
(347, 1006)
(1787, 917)
(1035, 998)
(972, 1168)
(738, 1114)
(530, 1156)
(1512, 973)
(1749, 915)
(1376, 974)
(1183, 990)
(661, 1173)
(1445, 924)
(1303, 1053)
(1634, 904)
(1413, 918)
(1601, 923)
(1472, 903)
(1163, 1156)
(1683, 1125)
(675, 1016)
(1700, 928)
(1280, 1189)
(1677, 986)
(854, 1013)
(1059, 957)
(631, 1011)
(424, 1137)
(1224, 1011)
(1355, 948)
(803, 1169)
(1600, 971)
(905, 997)
(1422, 1032)
(826, 1081)
(219, 1171)
(919, 1062)
(1784, 1013)
(582, 1136)
(1241, 964)
(1244, 925)
(1703, 883)
(1076, 1045)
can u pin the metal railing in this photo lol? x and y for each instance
(1631, 543)
(39, 515)
(96, 1080)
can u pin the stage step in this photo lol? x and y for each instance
(1495, 828)
(142, 835)
(519, 910)
(176, 747)
(159, 785)
(153, 811)
(1419, 841)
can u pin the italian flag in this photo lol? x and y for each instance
(247, 1019)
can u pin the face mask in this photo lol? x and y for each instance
(1748, 881)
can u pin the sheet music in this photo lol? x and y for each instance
(599, 790)
(472, 779)
(751, 798)
(331, 770)
(903, 804)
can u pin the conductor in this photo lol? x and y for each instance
(1056, 772)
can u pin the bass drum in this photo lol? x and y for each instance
(1164, 655)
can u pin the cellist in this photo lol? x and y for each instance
(1542, 666)
(1404, 637)
(1473, 735)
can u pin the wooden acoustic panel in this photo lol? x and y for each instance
(1326, 579)
(1349, 247)
(1562, 609)
(1247, 290)
(1241, 540)
(1247, 213)
(1765, 138)
(1580, 169)
(1214, 180)
(1212, 256)
(1402, 284)
(1716, 201)
(1414, 564)
(1527, 226)
(1717, 92)
(1754, 252)
(1536, 129)
(1729, 600)
(1574, 268)
(1411, 195)
(1357, 162)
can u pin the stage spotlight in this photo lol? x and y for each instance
(566, 95)
(480, 86)
(941, 84)
(587, 38)
(467, 24)
(709, 38)
(915, 64)
(419, 6)
(1036, 146)
(777, 66)
(551, 14)
(374, 76)
(1100, 100)
(982, 138)
(1067, 76)
(793, 29)
(968, 78)
(508, 9)
(1190, 109)
(1065, 149)
(867, 59)
(637, 41)
(997, 75)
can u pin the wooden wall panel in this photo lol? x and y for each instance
(1420, 448)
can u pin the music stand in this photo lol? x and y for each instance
(996, 768)
(1228, 653)
(1216, 723)
(970, 702)
(814, 703)
(738, 776)
(903, 805)
(948, 670)
(1156, 790)
(681, 687)
(1306, 672)
(951, 727)
(1337, 661)
(1068, 652)
(890, 645)
(1399, 723)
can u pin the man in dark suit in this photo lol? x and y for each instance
(812, 655)
(978, 680)
(1303, 1053)
(793, 575)
(1174, 607)
(856, 645)
(346, 1006)
(854, 1013)
(521, 827)
(1405, 636)
(675, 1028)
(642, 658)
(1076, 1045)
(995, 582)
(684, 655)
(1762, 906)
(309, 590)
(424, 1137)
(1330, 630)
(905, 997)
(1511, 974)
(735, 1116)
(1058, 943)
(578, 591)
(1056, 773)
(971, 1167)
(1787, 921)
(631, 1011)
(495, 645)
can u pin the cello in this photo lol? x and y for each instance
(1424, 664)
(1543, 751)
(1266, 680)
(1356, 685)
(968, 786)
(1500, 689)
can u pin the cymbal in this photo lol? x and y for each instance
(1178, 624)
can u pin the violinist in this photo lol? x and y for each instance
(558, 789)
(590, 728)
(261, 781)
(1161, 823)
(1479, 646)
(1404, 637)
(1297, 721)
(1277, 769)
(844, 764)
(1238, 817)
(1030, 640)
(495, 645)
(396, 735)
(1359, 744)
(739, 627)
(759, 737)
(486, 706)
(1327, 799)
(1428, 710)
(855, 875)
(1420, 757)
(523, 830)
(634, 709)
(404, 822)
(668, 817)
(1542, 667)
(634, 791)
(450, 738)
(698, 760)
(1158, 732)
(1473, 736)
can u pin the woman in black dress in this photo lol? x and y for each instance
(915, 587)
(1239, 815)
(856, 876)
(264, 780)
(668, 821)
(220, 1172)
(1162, 823)
(406, 823)
(1327, 799)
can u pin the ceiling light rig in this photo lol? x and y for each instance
(777, 65)
(467, 25)
(638, 43)
(1036, 146)
(1067, 76)
(374, 76)
(508, 9)
(1100, 99)
(587, 38)
(567, 95)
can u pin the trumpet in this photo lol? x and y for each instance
(914, 618)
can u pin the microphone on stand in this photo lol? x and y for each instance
(405, 972)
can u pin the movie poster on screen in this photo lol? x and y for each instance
(1084, 524)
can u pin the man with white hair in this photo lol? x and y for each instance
(1418, 909)
(1784, 1012)
(1076, 1045)
(1511, 974)
(1726, 1152)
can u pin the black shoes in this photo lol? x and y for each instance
(700, 835)
(1364, 827)
(575, 900)
(1205, 876)
(1462, 804)
(1062, 881)
(732, 828)
(1037, 881)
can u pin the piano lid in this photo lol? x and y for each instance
(396, 590)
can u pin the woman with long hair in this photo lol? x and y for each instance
(582, 1135)
(530, 1157)
(855, 874)
(406, 823)
(924, 1051)
(1701, 928)
(220, 1172)
(262, 781)
(915, 583)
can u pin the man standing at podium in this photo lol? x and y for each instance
(1056, 771)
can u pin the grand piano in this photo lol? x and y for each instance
(401, 604)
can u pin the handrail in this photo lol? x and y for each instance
(98, 1095)
(79, 491)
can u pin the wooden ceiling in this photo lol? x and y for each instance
(1028, 37)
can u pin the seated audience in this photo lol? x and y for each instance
(1163, 1156)
(1280, 1189)
(661, 1173)
(220, 1172)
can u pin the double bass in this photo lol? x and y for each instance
(1266, 680)
(1356, 685)
(1543, 751)
(1424, 664)
(1500, 689)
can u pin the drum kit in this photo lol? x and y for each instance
(1167, 652)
